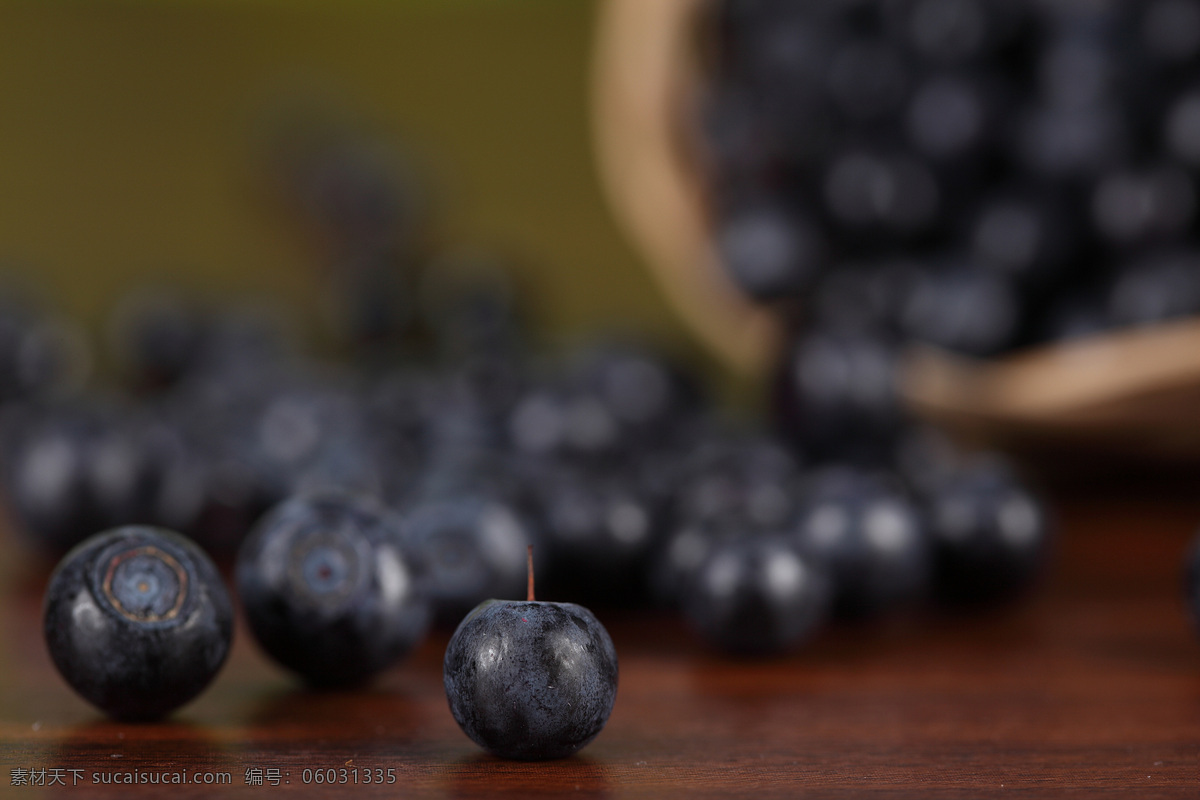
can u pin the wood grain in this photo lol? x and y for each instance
(1090, 686)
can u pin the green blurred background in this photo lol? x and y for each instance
(131, 145)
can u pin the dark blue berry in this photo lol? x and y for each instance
(736, 481)
(964, 309)
(330, 588)
(474, 545)
(531, 680)
(836, 393)
(157, 337)
(1157, 288)
(871, 539)
(599, 526)
(71, 470)
(137, 621)
(759, 595)
(769, 252)
(990, 535)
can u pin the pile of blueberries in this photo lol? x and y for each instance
(361, 498)
(632, 487)
(976, 175)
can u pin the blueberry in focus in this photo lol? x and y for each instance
(757, 596)
(330, 589)
(137, 621)
(530, 680)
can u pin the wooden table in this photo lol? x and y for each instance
(1092, 684)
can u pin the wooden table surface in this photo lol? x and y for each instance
(1091, 685)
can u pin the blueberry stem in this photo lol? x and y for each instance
(529, 567)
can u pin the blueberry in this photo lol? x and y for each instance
(244, 345)
(1170, 30)
(397, 407)
(860, 297)
(871, 539)
(315, 435)
(893, 193)
(43, 355)
(743, 480)
(474, 544)
(157, 336)
(1071, 142)
(599, 526)
(369, 305)
(331, 590)
(958, 31)
(990, 534)
(836, 393)
(531, 680)
(759, 595)
(271, 432)
(1131, 207)
(72, 469)
(769, 252)
(924, 458)
(1077, 317)
(1023, 237)
(137, 621)
(559, 420)
(1182, 127)
(867, 78)
(951, 117)
(471, 303)
(647, 392)
(1156, 288)
(946, 30)
(685, 549)
(1077, 69)
(221, 425)
(964, 309)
